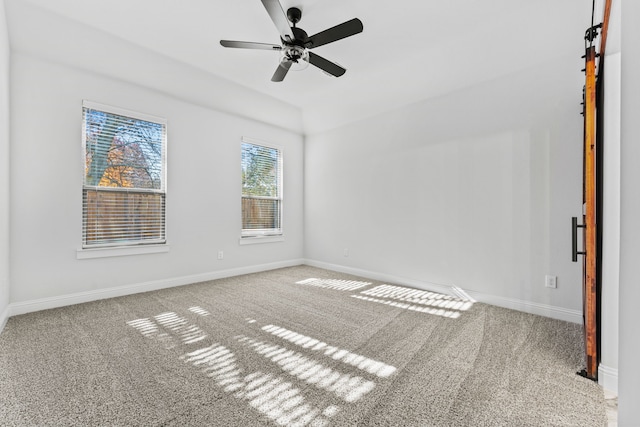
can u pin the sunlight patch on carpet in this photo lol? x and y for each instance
(416, 300)
(156, 329)
(187, 333)
(150, 329)
(337, 284)
(200, 311)
(147, 327)
(364, 363)
(350, 388)
(410, 307)
(272, 395)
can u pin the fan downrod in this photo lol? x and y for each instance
(294, 15)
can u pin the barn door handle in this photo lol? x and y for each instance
(574, 239)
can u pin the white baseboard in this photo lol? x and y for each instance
(553, 312)
(608, 378)
(4, 316)
(443, 289)
(24, 307)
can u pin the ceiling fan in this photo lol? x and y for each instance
(296, 43)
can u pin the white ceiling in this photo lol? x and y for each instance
(409, 51)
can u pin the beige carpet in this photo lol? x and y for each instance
(296, 346)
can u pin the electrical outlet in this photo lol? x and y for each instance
(551, 281)
(346, 252)
(220, 254)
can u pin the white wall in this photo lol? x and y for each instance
(4, 167)
(629, 350)
(203, 199)
(607, 375)
(475, 189)
(47, 35)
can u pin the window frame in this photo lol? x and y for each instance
(264, 235)
(124, 247)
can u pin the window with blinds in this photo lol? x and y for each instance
(124, 188)
(261, 189)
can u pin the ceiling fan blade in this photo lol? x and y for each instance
(250, 45)
(326, 65)
(279, 18)
(333, 34)
(281, 71)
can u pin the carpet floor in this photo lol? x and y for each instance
(296, 346)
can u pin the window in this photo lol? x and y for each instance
(261, 189)
(124, 187)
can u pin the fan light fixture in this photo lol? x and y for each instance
(297, 56)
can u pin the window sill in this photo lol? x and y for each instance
(252, 240)
(121, 251)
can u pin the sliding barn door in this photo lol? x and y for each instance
(592, 192)
(590, 281)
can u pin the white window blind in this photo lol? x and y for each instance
(124, 188)
(261, 189)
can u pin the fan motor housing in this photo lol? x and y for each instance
(300, 37)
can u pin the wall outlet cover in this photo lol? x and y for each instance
(551, 281)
